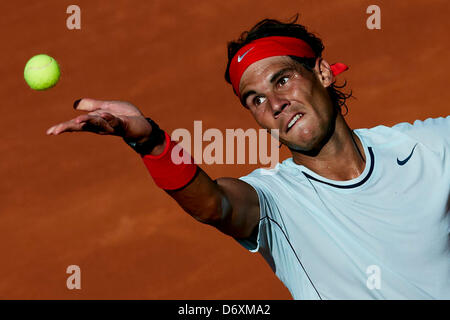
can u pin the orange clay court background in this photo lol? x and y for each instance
(87, 200)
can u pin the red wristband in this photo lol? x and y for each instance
(167, 174)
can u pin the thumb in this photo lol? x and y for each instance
(87, 104)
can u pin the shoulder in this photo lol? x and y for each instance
(432, 132)
(262, 180)
(276, 178)
(429, 128)
(272, 185)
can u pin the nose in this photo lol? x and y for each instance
(278, 104)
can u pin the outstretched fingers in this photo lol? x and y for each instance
(67, 126)
(91, 123)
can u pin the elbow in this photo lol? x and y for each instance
(211, 212)
(216, 212)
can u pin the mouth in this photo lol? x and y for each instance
(294, 120)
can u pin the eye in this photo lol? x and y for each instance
(258, 100)
(282, 81)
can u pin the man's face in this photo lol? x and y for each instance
(281, 94)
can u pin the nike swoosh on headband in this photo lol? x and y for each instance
(239, 58)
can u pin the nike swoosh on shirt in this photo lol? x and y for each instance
(402, 162)
(242, 57)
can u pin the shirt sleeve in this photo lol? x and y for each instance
(260, 238)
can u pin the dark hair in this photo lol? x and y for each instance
(271, 27)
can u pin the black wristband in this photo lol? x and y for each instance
(156, 137)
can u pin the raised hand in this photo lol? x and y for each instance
(106, 118)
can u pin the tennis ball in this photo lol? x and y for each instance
(41, 72)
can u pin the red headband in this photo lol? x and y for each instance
(271, 47)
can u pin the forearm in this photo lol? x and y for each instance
(197, 194)
(228, 204)
(203, 199)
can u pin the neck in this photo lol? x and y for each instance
(340, 158)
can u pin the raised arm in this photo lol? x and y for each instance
(228, 204)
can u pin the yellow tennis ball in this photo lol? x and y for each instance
(41, 72)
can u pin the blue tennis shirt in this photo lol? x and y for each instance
(383, 235)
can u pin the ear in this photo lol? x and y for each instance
(323, 72)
